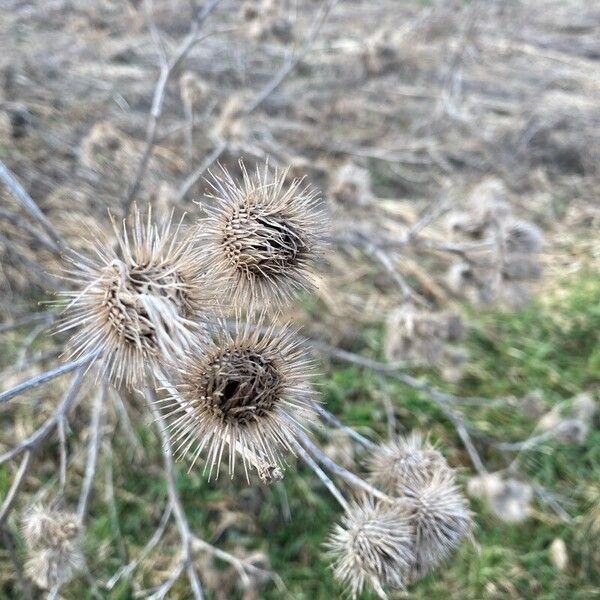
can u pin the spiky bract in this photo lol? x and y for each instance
(138, 303)
(372, 545)
(249, 391)
(441, 518)
(262, 237)
(404, 460)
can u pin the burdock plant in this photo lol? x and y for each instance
(53, 540)
(247, 391)
(372, 545)
(144, 299)
(261, 237)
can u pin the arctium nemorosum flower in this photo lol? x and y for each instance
(404, 460)
(373, 545)
(440, 517)
(247, 393)
(262, 237)
(53, 540)
(138, 301)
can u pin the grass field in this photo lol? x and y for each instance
(556, 351)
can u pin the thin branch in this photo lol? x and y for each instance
(331, 419)
(36, 438)
(292, 61)
(92, 452)
(321, 475)
(338, 470)
(44, 378)
(27, 202)
(30, 319)
(166, 71)
(193, 178)
(127, 570)
(182, 523)
(15, 487)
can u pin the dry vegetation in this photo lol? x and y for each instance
(415, 175)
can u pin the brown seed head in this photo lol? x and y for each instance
(248, 391)
(262, 237)
(138, 304)
(404, 460)
(373, 545)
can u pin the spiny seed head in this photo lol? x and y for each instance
(521, 267)
(249, 391)
(44, 527)
(50, 567)
(53, 540)
(351, 187)
(262, 237)
(441, 518)
(404, 461)
(372, 545)
(139, 303)
(523, 237)
(420, 336)
(509, 499)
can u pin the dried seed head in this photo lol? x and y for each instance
(44, 527)
(53, 541)
(523, 237)
(231, 125)
(262, 238)
(372, 545)
(509, 499)
(104, 147)
(382, 53)
(441, 518)
(139, 304)
(521, 267)
(193, 90)
(351, 187)
(54, 566)
(404, 461)
(249, 391)
(420, 336)
(584, 407)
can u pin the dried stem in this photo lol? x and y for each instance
(27, 202)
(45, 377)
(167, 68)
(92, 452)
(70, 398)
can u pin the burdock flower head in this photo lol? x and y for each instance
(441, 518)
(248, 391)
(372, 545)
(53, 540)
(262, 237)
(404, 460)
(136, 303)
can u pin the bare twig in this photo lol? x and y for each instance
(193, 178)
(35, 439)
(44, 378)
(338, 470)
(27, 202)
(321, 475)
(178, 511)
(127, 570)
(166, 70)
(15, 487)
(294, 58)
(92, 452)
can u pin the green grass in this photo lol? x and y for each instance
(553, 346)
